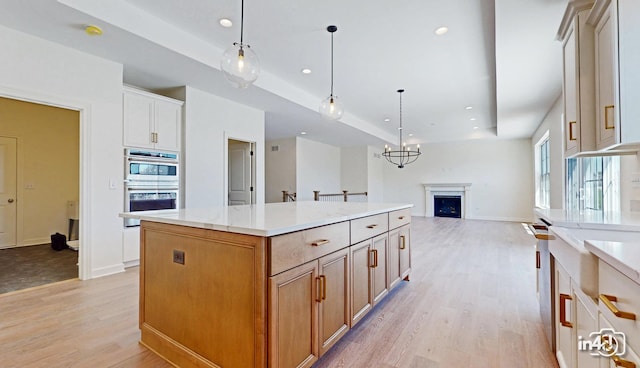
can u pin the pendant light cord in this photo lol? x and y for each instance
(241, 21)
(401, 146)
(331, 64)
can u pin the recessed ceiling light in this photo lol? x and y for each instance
(410, 134)
(225, 22)
(468, 108)
(303, 133)
(473, 119)
(441, 30)
(475, 127)
(92, 30)
(386, 120)
(306, 71)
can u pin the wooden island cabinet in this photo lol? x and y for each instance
(273, 285)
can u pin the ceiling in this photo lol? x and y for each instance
(499, 56)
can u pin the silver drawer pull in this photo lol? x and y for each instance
(320, 242)
(372, 226)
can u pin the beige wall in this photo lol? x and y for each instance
(48, 166)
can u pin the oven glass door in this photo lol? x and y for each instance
(146, 199)
(152, 171)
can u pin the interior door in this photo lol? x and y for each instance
(240, 172)
(8, 209)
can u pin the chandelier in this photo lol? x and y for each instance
(239, 63)
(404, 155)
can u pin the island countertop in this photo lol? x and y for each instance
(597, 220)
(267, 219)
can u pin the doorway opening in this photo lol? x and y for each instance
(241, 172)
(40, 174)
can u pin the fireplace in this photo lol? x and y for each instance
(447, 206)
(461, 190)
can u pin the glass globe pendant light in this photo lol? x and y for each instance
(239, 63)
(331, 108)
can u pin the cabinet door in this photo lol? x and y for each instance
(586, 323)
(565, 335)
(293, 317)
(137, 120)
(361, 302)
(380, 247)
(405, 251)
(569, 90)
(393, 265)
(168, 117)
(333, 311)
(607, 111)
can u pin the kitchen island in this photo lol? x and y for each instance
(272, 285)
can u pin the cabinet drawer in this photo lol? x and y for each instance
(290, 250)
(368, 227)
(399, 218)
(615, 284)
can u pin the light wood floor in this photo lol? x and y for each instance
(470, 303)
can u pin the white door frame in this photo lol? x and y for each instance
(225, 167)
(84, 109)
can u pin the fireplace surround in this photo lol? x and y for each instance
(448, 189)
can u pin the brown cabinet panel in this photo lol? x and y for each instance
(405, 251)
(334, 312)
(213, 296)
(293, 322)
(293, 249)
(368, 227)
(399, 218)
(393, 264)
(379, 269)
(361, 301)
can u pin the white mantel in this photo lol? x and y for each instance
(461, 189)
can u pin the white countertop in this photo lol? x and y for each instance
(622, 221)
(623, 256)
(267, 219)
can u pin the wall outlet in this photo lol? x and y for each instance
(178, 256)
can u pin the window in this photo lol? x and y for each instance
(543, 184)
(593, 183)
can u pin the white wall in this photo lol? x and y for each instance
(280, 169)
(375, 164)
(209, 121)
(317, 168)
(354, 169)
(553, 123)
(501, 173)
(629, 191)
(41, 71)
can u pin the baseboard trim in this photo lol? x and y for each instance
(106, 271)
(487, 218)
(134, 263)
(504, 219)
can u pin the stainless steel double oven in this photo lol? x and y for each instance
(152, 182)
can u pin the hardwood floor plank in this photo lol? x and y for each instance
(470, 303)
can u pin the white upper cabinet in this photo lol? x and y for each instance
(617, 72)
(577, 78)
(151, 121)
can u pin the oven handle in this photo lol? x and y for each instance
(152, 189)
(153, 160)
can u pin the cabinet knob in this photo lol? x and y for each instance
(10, 200)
